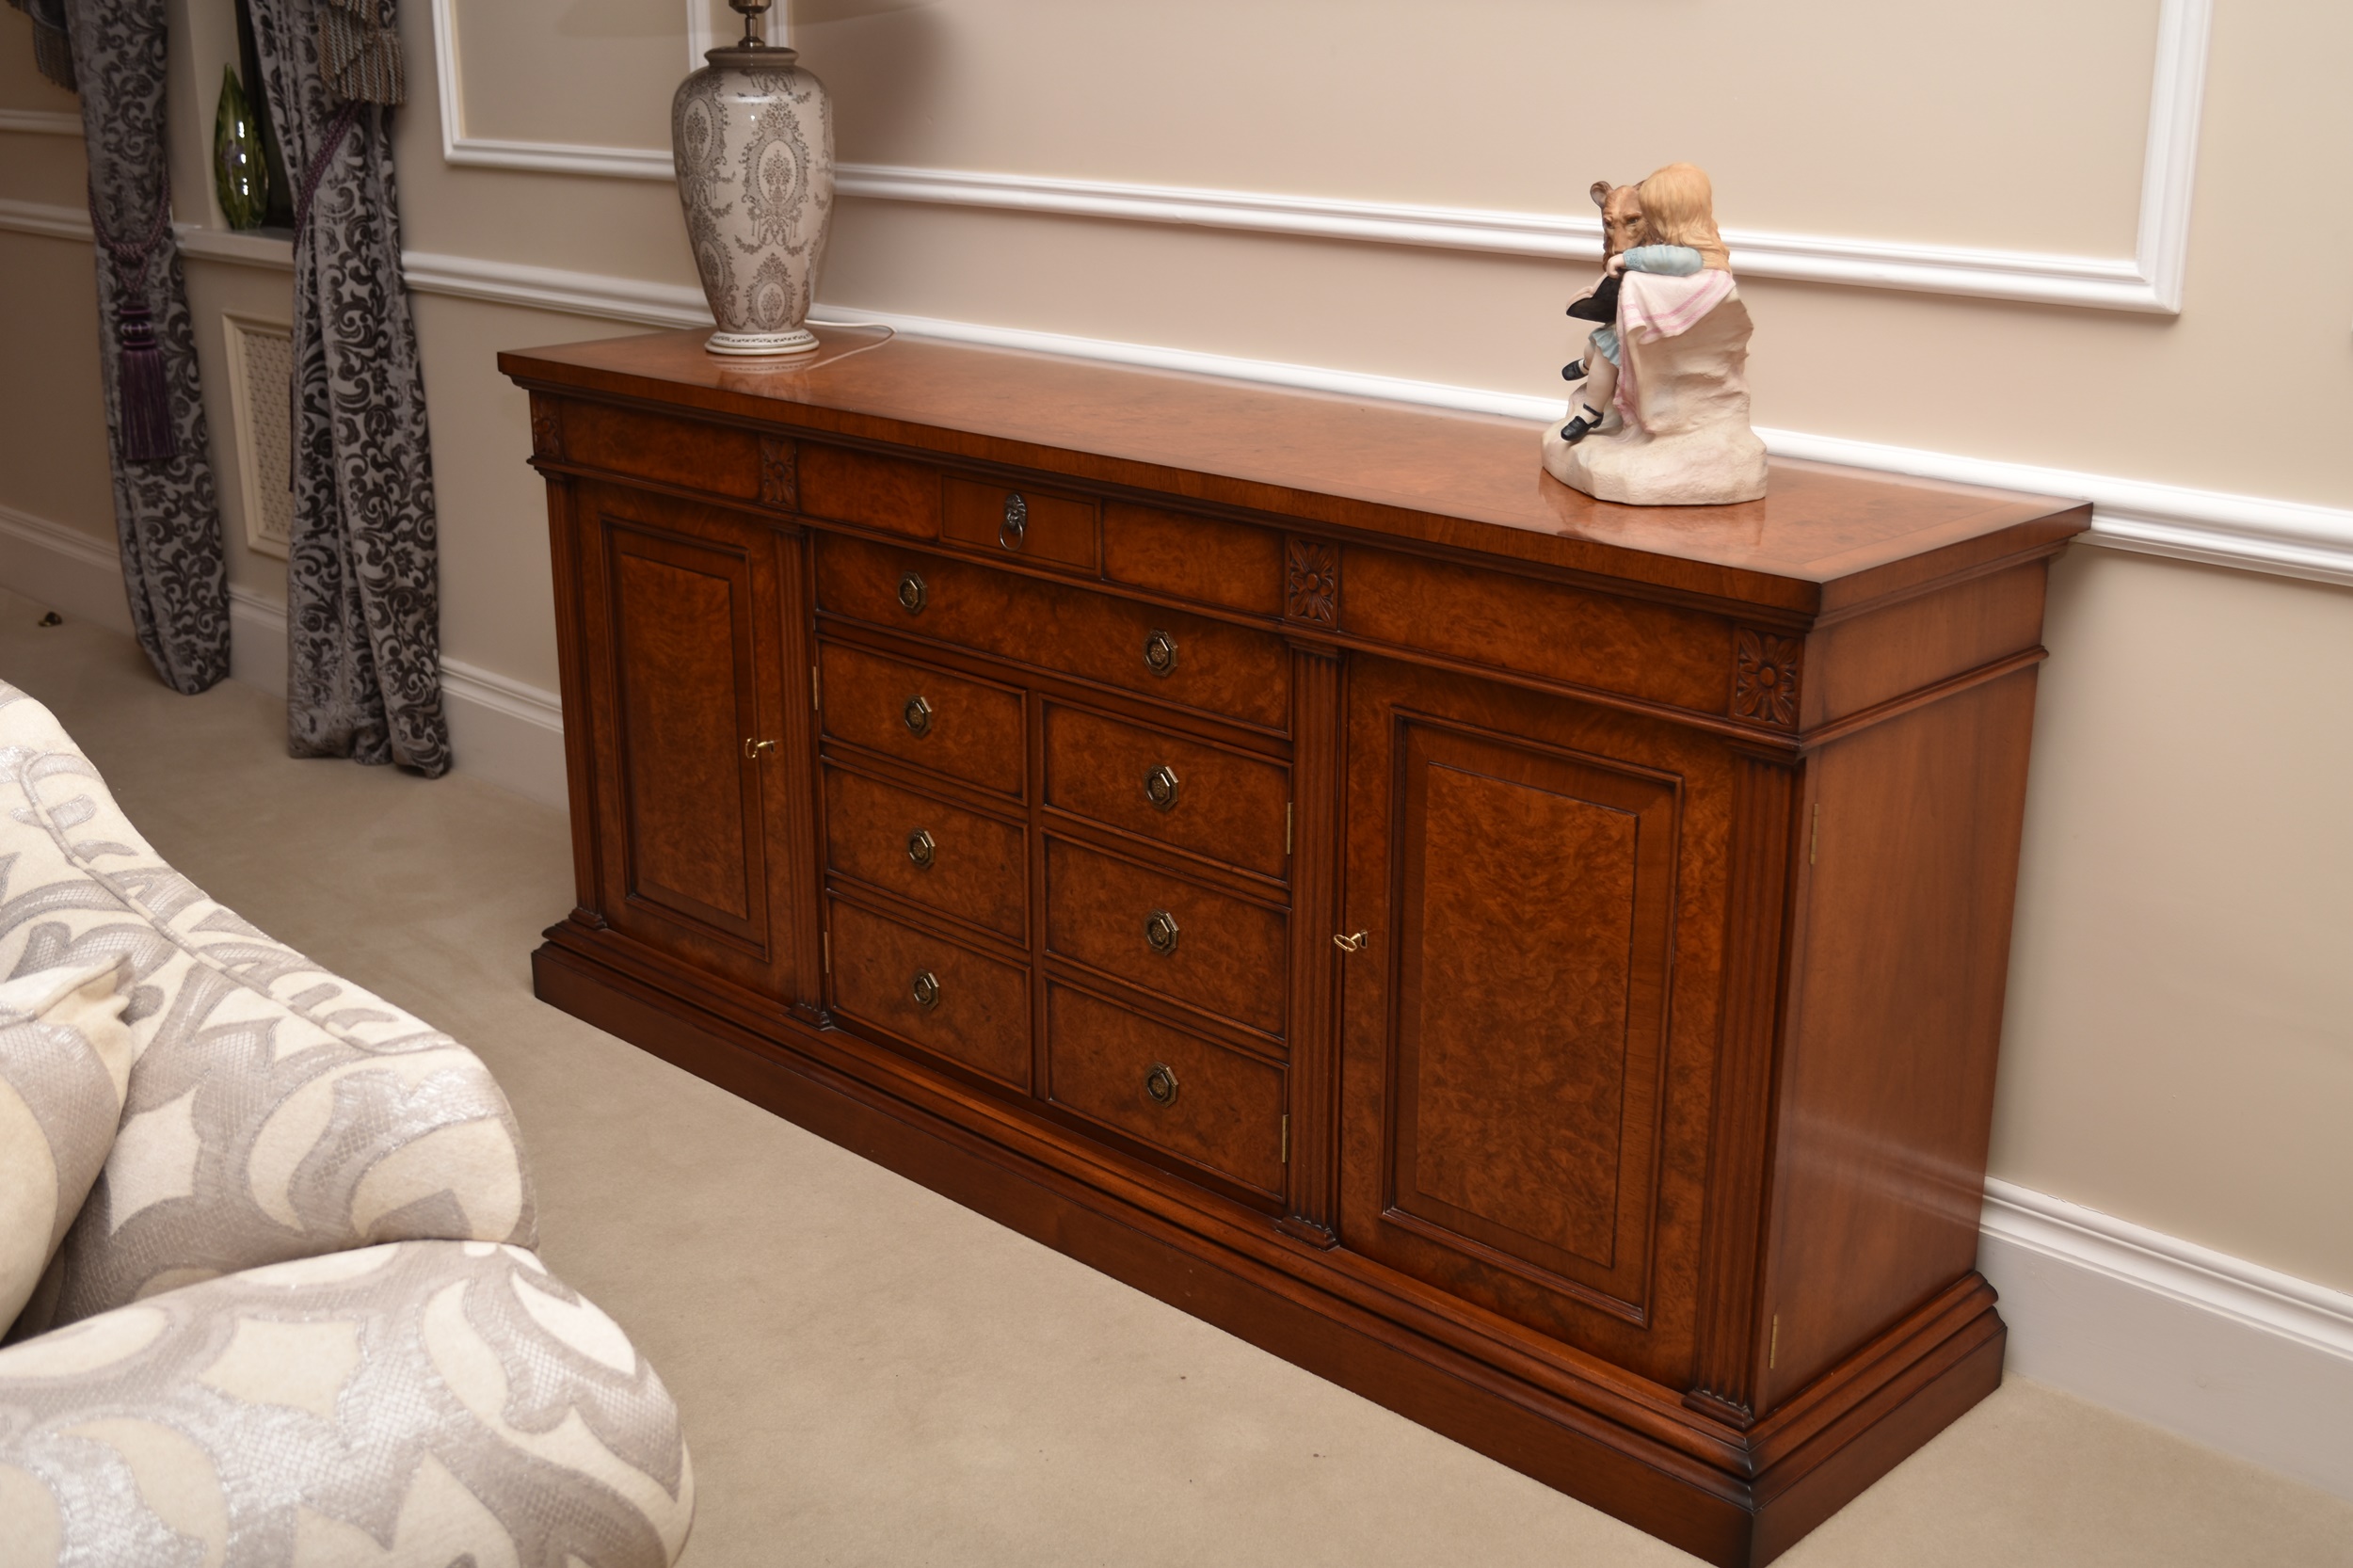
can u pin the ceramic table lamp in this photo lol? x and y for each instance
(752, 133)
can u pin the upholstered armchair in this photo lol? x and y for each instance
(266, 1240)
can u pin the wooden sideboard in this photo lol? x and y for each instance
(1537, 962)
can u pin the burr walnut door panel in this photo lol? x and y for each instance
(1513, 863)
(685, 615)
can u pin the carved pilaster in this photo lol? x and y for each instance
(1765, 670)
(1311, 585)
(547, 427)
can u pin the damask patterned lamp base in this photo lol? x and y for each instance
(752, 133)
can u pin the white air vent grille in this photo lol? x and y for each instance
(260, 372)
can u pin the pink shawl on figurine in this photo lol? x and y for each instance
(1652, 306)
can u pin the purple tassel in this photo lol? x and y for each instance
(147, 433)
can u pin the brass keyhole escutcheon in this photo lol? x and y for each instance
(1159, 933)
(754, 750)
(1351, 944)
(917, 713)
(1159, 653)
(924, 989)
(1160, 788)
(921, 847)
(1160, 1085)
(913, 595)
(1016, 521)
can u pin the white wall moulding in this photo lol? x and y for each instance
(40, 122)
(2234, 1355)
(2150, 280)
(44, 218)
(548, 288)
(262, 249)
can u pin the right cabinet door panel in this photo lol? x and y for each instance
(1523, 1121)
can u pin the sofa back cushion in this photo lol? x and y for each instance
(65, 1061)
(275, 1109)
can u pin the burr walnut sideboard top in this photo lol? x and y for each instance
(1825, 539)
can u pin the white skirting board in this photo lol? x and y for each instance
(2222, 1351)
(500, 730)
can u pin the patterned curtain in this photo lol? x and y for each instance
(166, 514)
(363, 580)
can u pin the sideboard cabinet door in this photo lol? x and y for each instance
(1514, 1128)
(684, 623)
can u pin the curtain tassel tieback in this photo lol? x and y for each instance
(141, 382)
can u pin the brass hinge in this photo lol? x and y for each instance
(1814, 849)
(1287, 1138)
(827, 940)
(1286, 828)
(1772, 1353)
(812, 686)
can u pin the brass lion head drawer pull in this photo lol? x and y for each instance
(917, 712)
(913, 595)
(1160, 788)
(1016, 521)
(1159, 1085)
(921, 848)
(925, 990)
(1159, 653)
(1159, 933)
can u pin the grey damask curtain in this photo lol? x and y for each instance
(362, 580)
(165, 513)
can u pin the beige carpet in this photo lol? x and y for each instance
(872, 1375)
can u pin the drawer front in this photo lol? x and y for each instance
(879, 492)
(1167, 935)
(1206, 559)
(1163, 654)
(964, 728)
(975, 1010)
(1213, 802)
(1222, 1110)
(954, 860)
(1011, 520)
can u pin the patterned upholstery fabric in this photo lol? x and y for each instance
(275, 1109)
(427, 1403)
(65, 1058)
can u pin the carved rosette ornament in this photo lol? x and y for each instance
(1312, 591)
(780, 473)
(547, 429)
(1765, 677)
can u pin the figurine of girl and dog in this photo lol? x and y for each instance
(1659, 412)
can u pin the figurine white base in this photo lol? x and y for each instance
(1689, 443)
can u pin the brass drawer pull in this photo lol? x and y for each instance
(1351, 944)
(917, 712)
(1160, 788)
(924, 989)
(1159, 933)
(754, 750)
(1160, 654)
(913, 595)
(1159, 1085)
(921, 847)
(1016, 521)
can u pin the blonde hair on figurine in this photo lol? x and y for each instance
(1679, 208)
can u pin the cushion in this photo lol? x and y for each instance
(275, 1109)
(65, 1059)
(430, 1402)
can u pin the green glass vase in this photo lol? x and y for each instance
(240, 174)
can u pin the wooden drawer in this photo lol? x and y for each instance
(1226, 805)
(978, 1016)
(1163, 654)
(1225, 1113)
(879, 492)
(1205, 559)
(964, 728)
(955, 862)
(1025, 524)
(1219, 953)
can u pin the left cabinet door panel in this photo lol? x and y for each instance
(690, 627)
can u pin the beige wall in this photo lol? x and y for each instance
(2179, 1047)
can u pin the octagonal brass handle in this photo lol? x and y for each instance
(913, 595)
(1160, 788)
(921, 847)
(1159, 1085)
(1016, 521)
(924, 989)
(1159, 933)
(917, 713)
(1159, 653)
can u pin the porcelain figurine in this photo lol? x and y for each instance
(1659, 413)
(752, 136)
